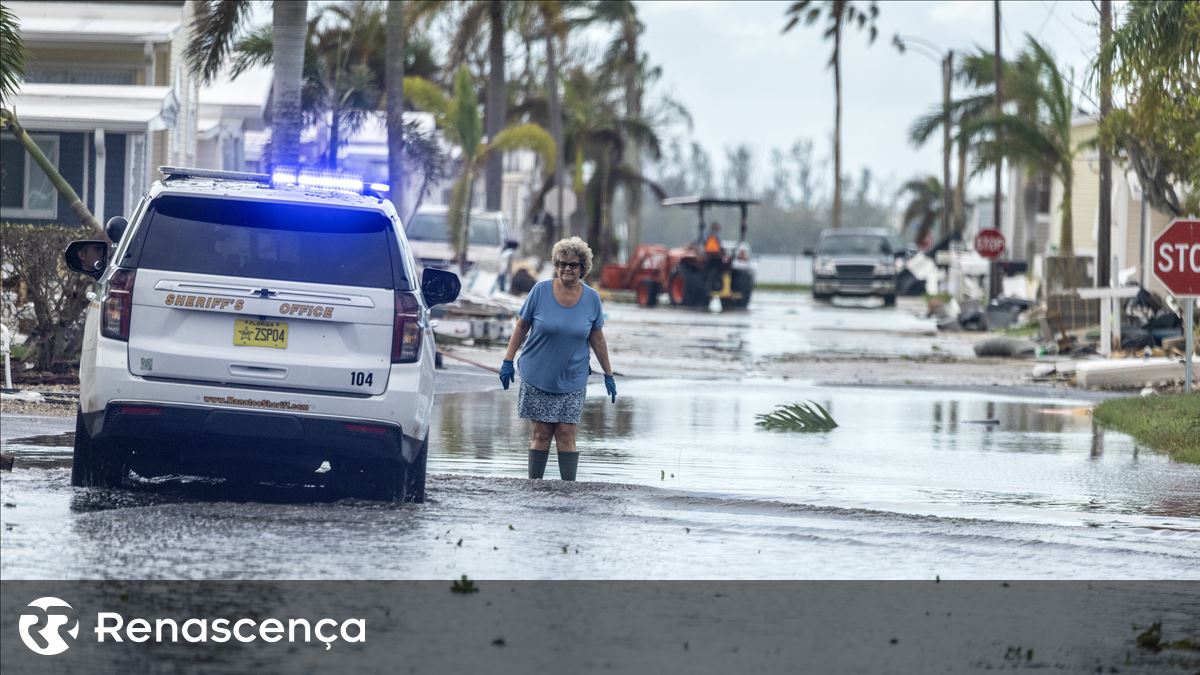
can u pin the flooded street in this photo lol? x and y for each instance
(916, 482)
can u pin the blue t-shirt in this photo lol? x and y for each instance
(555, 356)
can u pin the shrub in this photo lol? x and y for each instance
(34, 255)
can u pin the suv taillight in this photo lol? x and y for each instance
(117, 306)
(406, 329)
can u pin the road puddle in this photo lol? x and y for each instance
(917, 451)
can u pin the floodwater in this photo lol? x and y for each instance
(678, 483)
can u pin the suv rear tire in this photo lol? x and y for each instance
(95, 463)
(414, 489)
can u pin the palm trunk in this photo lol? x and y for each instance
(1066, 238)
(394, 83)
(960, 190)
(496, 95)
(836, 215)
(556, 131)
(335, 133)
(633, 109)
(289, 29)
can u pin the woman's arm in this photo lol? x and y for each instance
(600, 346)
(517, 337)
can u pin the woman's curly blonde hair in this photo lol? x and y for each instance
(574, 246)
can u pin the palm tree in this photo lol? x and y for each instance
(394, 86)
(556, 29)
(214, 29)
(458, 116)
(1038, 136)
(343, 70)
(924, 208)
(623, 58)
(596, 134)
(839, 14)
(12, 56)
(476, 16)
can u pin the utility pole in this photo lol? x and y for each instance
(947, 201)
(995, 283)
(1104, 246)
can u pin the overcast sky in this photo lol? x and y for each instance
(744, 82)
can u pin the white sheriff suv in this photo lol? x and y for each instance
(246, 322)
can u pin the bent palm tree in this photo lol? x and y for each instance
(214, 30)
(838, 14)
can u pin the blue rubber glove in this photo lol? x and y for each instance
(611, 385)
(507, 373)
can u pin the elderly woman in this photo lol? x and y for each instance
(562, 317)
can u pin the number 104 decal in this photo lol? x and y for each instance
(360, 379)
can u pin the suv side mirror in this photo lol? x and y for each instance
(439, 286)
(809, 252)
(87, 256)
(511, 245)
(115, 228)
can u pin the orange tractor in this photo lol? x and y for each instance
(690, 274)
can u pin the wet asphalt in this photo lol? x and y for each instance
(676, 480)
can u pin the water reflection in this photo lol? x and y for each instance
(916, 450)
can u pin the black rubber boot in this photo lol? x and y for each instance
(537, 462)
(568, 462)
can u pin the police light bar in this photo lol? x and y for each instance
(329, 181)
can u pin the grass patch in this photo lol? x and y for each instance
(1166, 422)
(795, 288)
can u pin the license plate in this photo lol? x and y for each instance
(271, 334)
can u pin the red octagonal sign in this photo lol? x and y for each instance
(1177, 257)
(989, 243)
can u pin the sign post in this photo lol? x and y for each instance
(1176, 263)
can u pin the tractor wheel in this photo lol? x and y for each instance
(647, 293)
(688, 287)
(743, 284)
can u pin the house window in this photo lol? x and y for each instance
(79, 75)
(1043, 193)
(25, 190)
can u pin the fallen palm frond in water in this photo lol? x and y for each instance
(797, 417)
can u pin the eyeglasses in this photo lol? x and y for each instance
(566, 265)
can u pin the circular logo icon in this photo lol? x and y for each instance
(42, 631)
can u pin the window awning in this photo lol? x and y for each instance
(73, 107)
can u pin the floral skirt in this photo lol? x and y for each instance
(543, 406)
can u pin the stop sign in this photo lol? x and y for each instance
(1176, 254)
(989, 243)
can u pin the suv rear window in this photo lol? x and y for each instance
(242, 238)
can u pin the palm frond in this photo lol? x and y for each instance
(470, 26)
(525, 136)
(804, 417)
(214, 29)
(12, 54)
(425, 95)
(255, 49)
(463, 118)
(629, 178)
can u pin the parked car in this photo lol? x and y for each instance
(861, 262)
(244, 324)
(490, 245)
